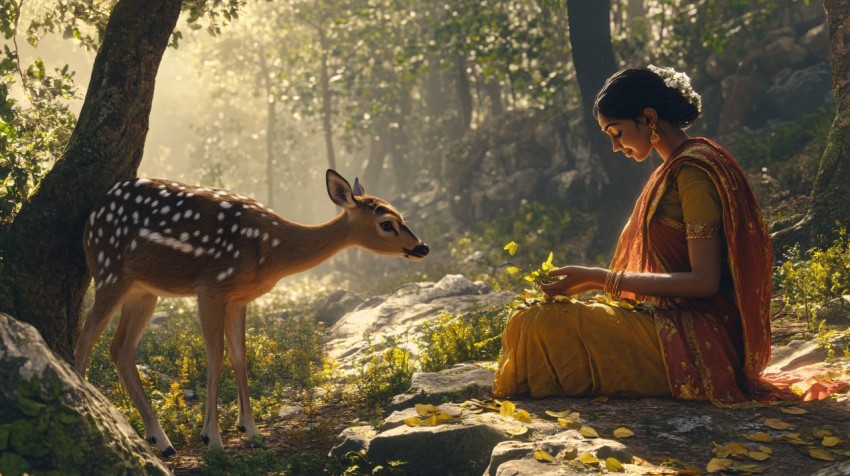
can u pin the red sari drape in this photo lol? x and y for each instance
(714, 348)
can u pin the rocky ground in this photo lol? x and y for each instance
(466, 432)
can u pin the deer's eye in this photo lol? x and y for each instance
(387, 226)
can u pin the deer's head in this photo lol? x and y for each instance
(377, 225)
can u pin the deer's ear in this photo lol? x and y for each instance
(340, 190)
(359, 191)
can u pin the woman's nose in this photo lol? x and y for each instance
(615, 144)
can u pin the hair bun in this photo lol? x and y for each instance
(680, 82)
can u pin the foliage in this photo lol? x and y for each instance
(469, 336)
(684, 32)
(259, 461)
(33, 132)
(385, 373)
(807, 283)
(543, 229)
(285, 363)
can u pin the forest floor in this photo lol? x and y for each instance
(299, 446)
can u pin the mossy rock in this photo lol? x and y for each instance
(52, 421)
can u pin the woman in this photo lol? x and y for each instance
(696, 247)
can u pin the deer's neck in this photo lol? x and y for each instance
(302, 247)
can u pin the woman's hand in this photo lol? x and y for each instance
(576, 280)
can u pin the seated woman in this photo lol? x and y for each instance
(696, 247)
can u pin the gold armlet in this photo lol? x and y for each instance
(702, 229)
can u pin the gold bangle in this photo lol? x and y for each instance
(612, 283)
(609, 280)
(615, 286)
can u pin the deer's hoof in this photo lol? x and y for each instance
(206, 439)
(169, 452)
(240, 428)
(152, 439)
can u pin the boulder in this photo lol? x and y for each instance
(336, 305)
(397, 315)
(564, 446)
(804, 91)
(458, 383)
(52, 420)
(437, 450)
(354, 439)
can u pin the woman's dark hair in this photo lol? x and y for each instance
(628, 92)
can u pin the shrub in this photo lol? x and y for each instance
(385, 374)
(806, 284)
(470, 336)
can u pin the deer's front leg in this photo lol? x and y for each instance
(212, 314)
(234, 331)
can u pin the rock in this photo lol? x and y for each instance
(816, 42)
(837, 469)
(526, 466)
(801, 93)
(794, 355)
(459, 383)
(782, 52)
(354, 439)
(436, 450)
(396, 316)
(566, 445)
(569, 187)
(336, 305)
(288, 413)
(52, 420)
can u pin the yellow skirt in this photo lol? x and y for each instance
(580, 349)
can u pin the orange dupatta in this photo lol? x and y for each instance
(714, 348)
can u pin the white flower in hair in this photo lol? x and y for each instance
(680, 82)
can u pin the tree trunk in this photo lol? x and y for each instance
(326, 98)
(829, 204)
(593, 58)
(464, 92)
(45, 276)
(375, 165)
(271, 127)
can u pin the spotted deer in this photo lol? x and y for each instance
(152, 237)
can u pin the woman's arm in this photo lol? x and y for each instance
(702, 281)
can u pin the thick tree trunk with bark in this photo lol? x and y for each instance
(830, 202)
(45, 277)
(593, 57)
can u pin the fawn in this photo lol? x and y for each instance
(151, 237)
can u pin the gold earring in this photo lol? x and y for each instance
(654, 138)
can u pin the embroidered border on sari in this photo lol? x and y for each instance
(708, 229)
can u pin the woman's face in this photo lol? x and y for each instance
(631, 137)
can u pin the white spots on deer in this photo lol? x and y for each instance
(155, 218)
(224, 274)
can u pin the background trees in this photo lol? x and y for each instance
(420, 97)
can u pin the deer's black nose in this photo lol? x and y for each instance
(421, 250)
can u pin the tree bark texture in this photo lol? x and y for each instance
(593, 58)
(45, 275)
(830, 202)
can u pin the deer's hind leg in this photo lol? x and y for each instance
(135, 315)
(107, 298)
(234, 331)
